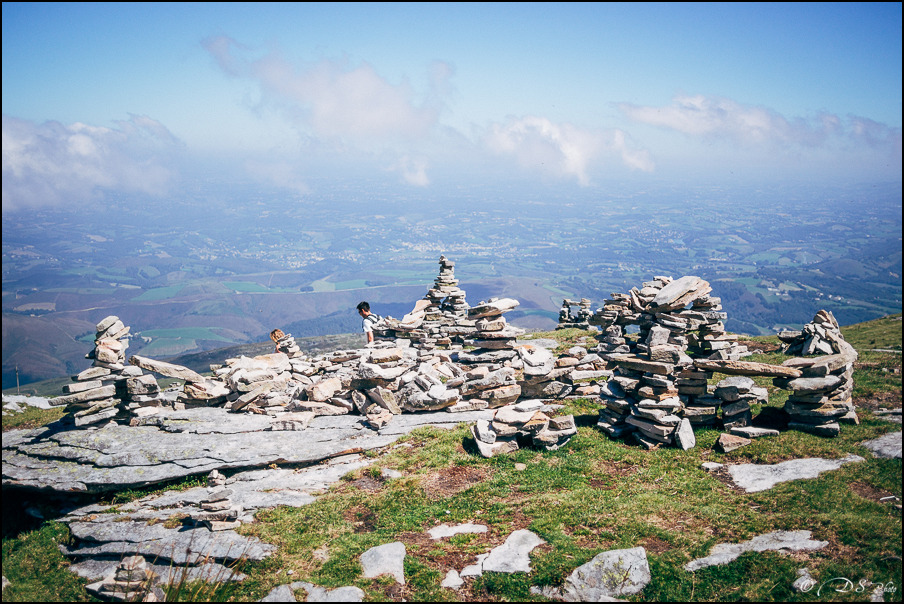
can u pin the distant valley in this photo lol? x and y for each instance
(218, 267)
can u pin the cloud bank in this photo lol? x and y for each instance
(562, 149)
(721, 118)
(52, 164)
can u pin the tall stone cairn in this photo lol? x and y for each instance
(655, 392)
(439, 320)
(821, 398)
(109, 389)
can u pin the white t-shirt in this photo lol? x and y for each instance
(369, 322)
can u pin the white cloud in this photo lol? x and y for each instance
(50, 164)
(562, 149)
(721, 118)
(333, 99)
(414, 171)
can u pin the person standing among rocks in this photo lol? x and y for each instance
(370, 320)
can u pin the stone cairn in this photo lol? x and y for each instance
(654, 378)
(218, 512)
(581, 320)
(821, 397)
(110, 390)
(439, 320)
(525, 421)
(819, 336)
(133, 580)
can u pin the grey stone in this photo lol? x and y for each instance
(107, 537)
(684, 435)
(175, 444)
(723, 553)
(387, 559)
(513, 556)
(753, 432)
(886, 447)
(315, 593)
(281, 593)
(444, 530)
(804, 582)
(452, 580)
(614, 573)
(167, 369)
(753, 477)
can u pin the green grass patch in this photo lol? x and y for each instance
(31, 417)
(246, 287)
(159, 293)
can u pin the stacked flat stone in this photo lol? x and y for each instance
(526, 419)
(97, 394)
(440, 319)
(821, 397)
(700, 407)
(484, 387)
(736, 394)
(494, 339)
(819, 336)
(581, 320)
(261, 384)
(219, 513)
(133, 580)
(287, 345)
(612, 341)
(711, 340)
(619, 309)
(541, 377)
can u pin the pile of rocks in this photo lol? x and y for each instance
(711, 340)
(439, 320)
(493, 339)
(821, 397)
(133, 580)
(109, 389)
(219, 512)
(820, 336)
(286, 344)
(527, 420)
(581, 320)
(736, 394)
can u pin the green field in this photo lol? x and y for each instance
(159, 293)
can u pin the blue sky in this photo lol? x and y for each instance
(99, 98)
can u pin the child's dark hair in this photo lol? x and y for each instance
(363, 306)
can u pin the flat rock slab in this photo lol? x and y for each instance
(747, 368)
(444, 530)
(190, 442)
(388, 559)
(886, 447)
(513, 556)
(109, 536)
(620, 572)
(252, 490)
(723, 553)
(210, 572)
(315, 593)
(760, 477)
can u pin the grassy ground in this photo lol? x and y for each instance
(592, 495)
